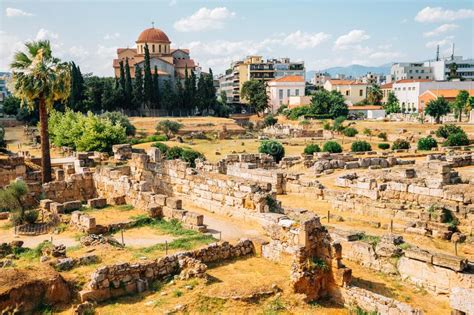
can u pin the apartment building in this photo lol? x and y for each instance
(408, 91)
(442, 68)
(410, 71)
(353, 91)
(386, 89)
(255, 67)
(320, 78)
(282, 89)
(4, 77)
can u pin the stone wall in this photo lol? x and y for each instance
(121, 279)
(74, 187)
(373, 302)
(462, 301)
(249, 171)
(11, 168)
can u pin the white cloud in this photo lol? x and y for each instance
(204, 19)
(9, 44)
(441, 29)
(302, 40)
(44, 34)
(12, 12)
(438, 14)
(112, 36)
(353, 38)
(173, 3)
(385, 55)
(448, 41)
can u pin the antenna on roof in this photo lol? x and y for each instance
(437, 53)
(452, 54)
(152, 24)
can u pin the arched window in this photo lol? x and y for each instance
(153, 47)
(159, 48)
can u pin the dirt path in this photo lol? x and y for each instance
(33, 241)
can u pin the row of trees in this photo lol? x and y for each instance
(439, 107)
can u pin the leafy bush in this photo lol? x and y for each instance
(31, 216)
(304, 122)
(3, 144)
(332, 147)
(338, 123)
(163, 147)
(174, 153)
(168, 127)
(367, 132)
(350, 132)
(384, 146)
(273, 148)
(361, 146)
(269, 120)
(189, 155)
(456, 139)
(446, 130)
(121, 119)
(311, 149)
(427, 143)
(297, 112)
(383, 136)
(327, 125)
(400, 144)
(84, 132)
(154, 138)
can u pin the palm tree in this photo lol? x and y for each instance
(39, 80)
(374, 94)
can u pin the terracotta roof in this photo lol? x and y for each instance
(173, 50)
(364, 107)
(345, 82)
(290, 78)
(131, 61)
(182, 63)
(387, 85)
(413, 80)
(119, 50)
(447, 93)
(153, 35)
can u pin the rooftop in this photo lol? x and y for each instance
(290, 78)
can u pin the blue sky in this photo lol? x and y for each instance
(322, 33)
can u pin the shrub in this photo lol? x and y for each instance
(163, 147)
(311, 149)
(273, 148)
(327, 125)
(384, 146)
(3, 144)
(121, 119)
(446, 130)
(401, 144)
(350, 132)
(154, 138)
(190, 155)
(456, 139)
(168, 127)
(427, 143)
(361, 146)
(383, 136)
(332, 147)
(367, 132)
(31, 216)
(269, 120)
(304, 122)
(174, 153)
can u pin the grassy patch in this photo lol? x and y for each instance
(371, 239)
(209, 305)
(274, 307)
(172, 227)
(125, 207)
(186, 243)
(177, 293)
(34, 253)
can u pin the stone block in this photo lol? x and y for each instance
(97, 203)
(72, 205)
(419, 254)
(174, 203)
(194, 218)
(45, 204)
(116, 200)
(56, 207)
(451, 262)
(155, 211)
(98, 295)
(462, 300)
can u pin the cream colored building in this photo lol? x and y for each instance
(281, 90)
(353, 91)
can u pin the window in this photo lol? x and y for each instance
(288, 93)
(297, 92)
(361, 92)
(153, 48)
(347, 93)
(280, 94)
(404, 88)
(159, 47)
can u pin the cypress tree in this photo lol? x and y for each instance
(128, 86)
(76, 95)
(156, 88)
(147, 82)
(201, 93)
(168, 96)
(179, 97)
(187, 91)
(138, 88)
(122, 76)
(211, 91)
(193, 91)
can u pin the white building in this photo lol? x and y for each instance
(320, 78)
(410, 70)
(280, 90)
(441, 68)
(369, 111)
(408, 91)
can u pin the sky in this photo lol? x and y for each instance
(322, 33)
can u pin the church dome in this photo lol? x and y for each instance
(153, 35)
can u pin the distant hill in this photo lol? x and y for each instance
(352, 70)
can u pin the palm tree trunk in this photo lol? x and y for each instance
(44, 134)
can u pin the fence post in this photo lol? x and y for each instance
(391, 226)
(166, 247)
(123, 243)
(456, 248)
(329, 214)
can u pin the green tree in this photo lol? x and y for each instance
(255, 92)
(168, 96)
(39, 80)
(332, 147)
(156, 89)
(273, 148)
(330, 103)
(128, 86)
(11, 105)
(168, 127)
(374, 94)
(461, 104)
(179, 98)
(437, 108)
(76, 95)
(187, 92)
(12, 199)
(147, 81)
(392, 105)
(138, 87)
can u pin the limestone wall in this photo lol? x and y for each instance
(11, 168)
(75, 187)
(249, 171)
(121, 279)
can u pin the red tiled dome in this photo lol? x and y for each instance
(153, 35)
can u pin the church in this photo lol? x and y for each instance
(171, 63)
